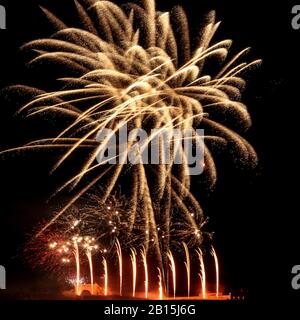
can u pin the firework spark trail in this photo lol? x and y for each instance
(145, 264)
(146, 77)
(78, 196)
(120, 259)
(187, 264)
(173, 270)
(134, 270)
(104, 262)
(214, 254)
(202, 273)
(160, 285)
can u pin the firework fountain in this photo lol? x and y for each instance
(134, 270)
(105, 276)
(160, 285)
(202, 273)
(173, 270)
(187, 264)
(77, 259)
(91, 249)
(120, 259)
(217, 270)
(145, 264)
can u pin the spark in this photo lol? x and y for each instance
(53, 245)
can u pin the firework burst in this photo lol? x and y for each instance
(128, 67)
(83, 230)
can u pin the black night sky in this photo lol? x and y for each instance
(254, 213)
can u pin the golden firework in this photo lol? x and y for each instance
(127, 67)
